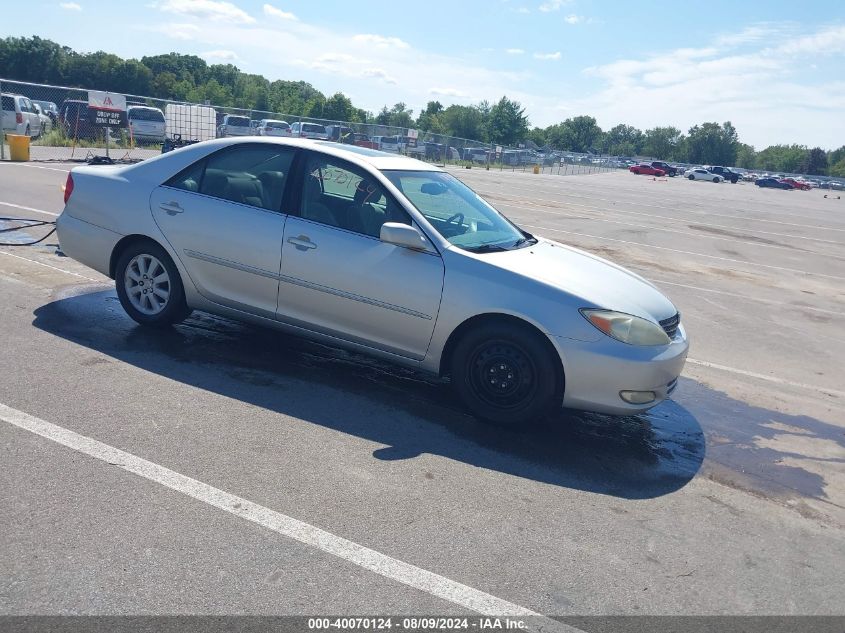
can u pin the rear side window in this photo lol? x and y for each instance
(238, 121)
(139, 114)
(313, 127)
(252, 175)
(8, 104)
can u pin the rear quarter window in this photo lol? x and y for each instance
(9, 104)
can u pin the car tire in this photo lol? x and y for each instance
(505, 374)
(691, 177)
(149, 285)
(716, 179)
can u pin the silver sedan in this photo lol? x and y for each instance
(381, 254)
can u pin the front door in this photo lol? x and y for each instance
(339, 278)
(223, 217)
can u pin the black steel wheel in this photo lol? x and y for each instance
(505, 373)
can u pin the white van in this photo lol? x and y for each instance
(20, 116)
(145, 123)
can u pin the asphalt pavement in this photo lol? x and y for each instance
(219, 468)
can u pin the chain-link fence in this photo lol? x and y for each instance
(57, 120)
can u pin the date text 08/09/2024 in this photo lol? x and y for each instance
(416, 623)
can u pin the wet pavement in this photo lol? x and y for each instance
(700, 431)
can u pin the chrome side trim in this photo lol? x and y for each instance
(304, 284)
(353, 297)
(230, 264)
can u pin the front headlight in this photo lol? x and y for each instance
(627, 328)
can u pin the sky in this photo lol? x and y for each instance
(775, 69)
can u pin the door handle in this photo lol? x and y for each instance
(302, 242)
(171, 208)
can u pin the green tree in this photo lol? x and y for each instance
(662, 143)
(815, 163)
(623, 140)
(746, 157)
(579, 134)
(507, 123)
(339, 107)
(782, 158)
(465, 122)
(712, 144)
(430, 119)
(538, 137)
(838, 169)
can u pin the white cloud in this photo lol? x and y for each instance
(217, 10)
(573, 19)
(275, 12)
(380, 41)
(220, 55)
(378, 73)
(176, 31)
(550, 56)
(514, 51)
(70, 6)
(763, 91)
(449, 92)
(552, 5)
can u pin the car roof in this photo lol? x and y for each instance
(362, 156)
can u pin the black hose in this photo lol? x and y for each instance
(32, 224)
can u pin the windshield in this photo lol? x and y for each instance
(458, 213)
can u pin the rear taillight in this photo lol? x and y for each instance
(19, 118)
(68, 187)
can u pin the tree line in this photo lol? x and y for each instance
(190, 78)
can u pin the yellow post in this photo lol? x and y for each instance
(536, 169)
(18, 147)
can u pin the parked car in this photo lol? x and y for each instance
(146, 123)
(797, 184)
(273, 127)
(46, 122)
(648, 170)
(362, 140)
(385, 255)
(774, 183)
(234, 125)
(389, 144)
(665, 167)
(73, 116)
(50, 109)
(726, 173)
(309, 130)
(339, 133)
(699, 173)
(20, 116)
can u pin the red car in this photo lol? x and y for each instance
(362, 140)
(796, 184)
(648, 170)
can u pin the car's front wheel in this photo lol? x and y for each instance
(149, 286)
(506, 374)
(691, 177)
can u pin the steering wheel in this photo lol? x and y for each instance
(458, 218)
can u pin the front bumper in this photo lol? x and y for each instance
(596, 372)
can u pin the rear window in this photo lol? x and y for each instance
(142, 114)
(8, 104)
(239, 121)
(277, 125)
(313, 127)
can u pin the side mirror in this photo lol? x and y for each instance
(433, 188)
(402, 235)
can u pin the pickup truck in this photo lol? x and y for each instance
(666, 168)
(726, 173)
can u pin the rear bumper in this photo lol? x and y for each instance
(86, 243)
(596, 372)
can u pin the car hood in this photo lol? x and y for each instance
(596, 282)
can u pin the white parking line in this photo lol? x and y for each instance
(775, 379)
(305, 533)
(33, 166)
(23, 208)
(61, 270)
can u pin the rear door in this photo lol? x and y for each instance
(224, 218)
(339, 278)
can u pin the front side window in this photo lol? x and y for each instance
(253, 174)
(342, 195)
(459, 214)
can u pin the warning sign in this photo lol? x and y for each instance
(106, 109)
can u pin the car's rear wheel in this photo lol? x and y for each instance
(505, 374)
(149, 286)
(691, 177)
(716, 179)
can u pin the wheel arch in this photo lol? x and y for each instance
(124, 243)
(500, 318)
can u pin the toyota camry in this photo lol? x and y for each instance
(381, 254)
